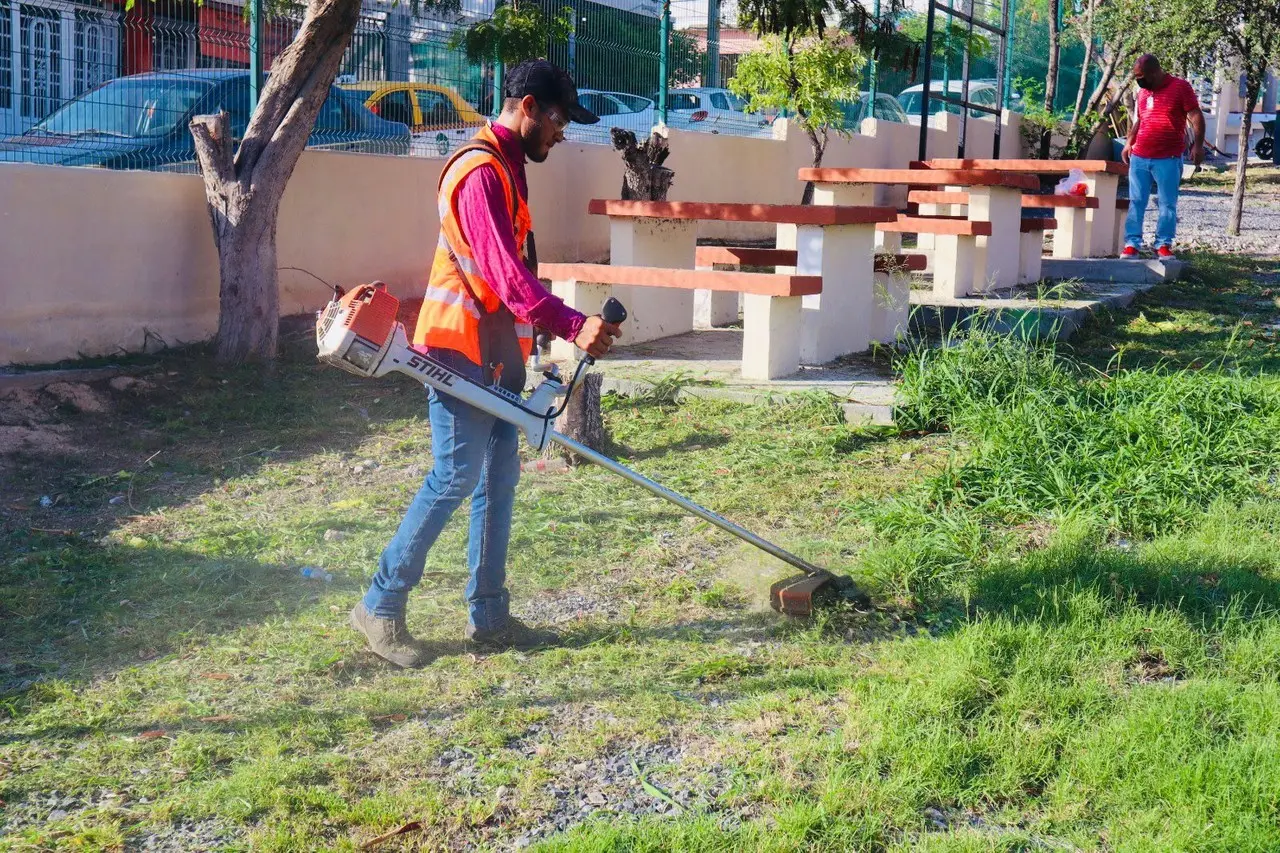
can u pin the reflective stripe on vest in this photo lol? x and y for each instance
(450, 317)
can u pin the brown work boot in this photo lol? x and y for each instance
(514, 635)
(389, 639)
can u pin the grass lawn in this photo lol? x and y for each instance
(1075, 558)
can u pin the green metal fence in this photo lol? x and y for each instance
(97, 84)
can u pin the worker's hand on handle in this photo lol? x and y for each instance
(1197, 153)
(596, 336)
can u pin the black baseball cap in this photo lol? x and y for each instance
(548, 85)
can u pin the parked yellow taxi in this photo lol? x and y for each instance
(439, 118)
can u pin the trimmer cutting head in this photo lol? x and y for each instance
(800, 595)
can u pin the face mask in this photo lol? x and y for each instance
(1142, 82)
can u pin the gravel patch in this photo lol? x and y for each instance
(1202, 220)
(43, 810)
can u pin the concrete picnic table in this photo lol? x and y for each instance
(835, 242)
(962, 263)
(1101, 176)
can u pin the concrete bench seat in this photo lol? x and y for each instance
(1070, 233)
(1101, 176)
(890, 302)
(772, 305)
(1122, 214)
(832, 242)
(955, 247)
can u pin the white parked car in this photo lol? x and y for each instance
(616, 109)
(887, 108)
(715, 111)
(982, 92)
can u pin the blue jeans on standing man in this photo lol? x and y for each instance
(475, 454)
(1167, 173)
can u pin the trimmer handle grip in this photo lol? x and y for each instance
(613, 311)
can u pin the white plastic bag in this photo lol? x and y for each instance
(1072, 184)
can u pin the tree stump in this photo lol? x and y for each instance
(582, 419)
(644, 178)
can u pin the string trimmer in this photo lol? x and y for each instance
(358, 332)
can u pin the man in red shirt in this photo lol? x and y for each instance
(1154, 151)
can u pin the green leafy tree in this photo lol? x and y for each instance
(513, 33)
(807, 81)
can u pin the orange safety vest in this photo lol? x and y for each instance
(457, 294)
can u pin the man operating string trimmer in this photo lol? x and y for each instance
(477, 316)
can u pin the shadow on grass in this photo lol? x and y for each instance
(80, 608)
(1202, 590)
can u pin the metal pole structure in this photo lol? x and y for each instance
(664, 55)
(1001, 68)
(573, 43)
(686, 504)
(946, 52)
(255, 53)
(1007, 80)
(664, 50)
(964, 80)
(873, 67)
(497, 87)
(712, 77)
(928, 72)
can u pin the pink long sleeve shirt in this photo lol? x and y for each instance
(485, 220)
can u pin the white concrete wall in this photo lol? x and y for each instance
(92, 259)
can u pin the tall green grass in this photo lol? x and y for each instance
(1138, 452)
(1144, 450)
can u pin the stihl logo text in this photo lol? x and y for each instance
(419, 364)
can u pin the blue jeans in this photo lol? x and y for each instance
(475, 454)
(1167, 173)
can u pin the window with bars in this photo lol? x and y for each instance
(41, 56)
(6, 57)
(173, 46)
(97, 50)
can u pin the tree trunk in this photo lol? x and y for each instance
(644, 178)
(249, 297)
(1087, 37)
(1051, 76)
(1242, 159)
(582, 419)
(818, 145)
(243, 192)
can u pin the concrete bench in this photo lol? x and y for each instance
(1101, 176)
(833, 242)
(772, 305)
(1069, 239)
(955, 256)
(1031, 251)
(1122, 215)
(890, 304)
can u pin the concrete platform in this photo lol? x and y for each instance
(1118, 270)
(1025, 312)
(707, 364)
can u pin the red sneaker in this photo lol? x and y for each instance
(1164, 253)
(1130, 253)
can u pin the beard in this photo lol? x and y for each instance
(532, 147)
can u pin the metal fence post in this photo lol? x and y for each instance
(1007, 82)
(873, 69)
(255, 53)
(664, 50)
(712, 77)
(497, 87)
